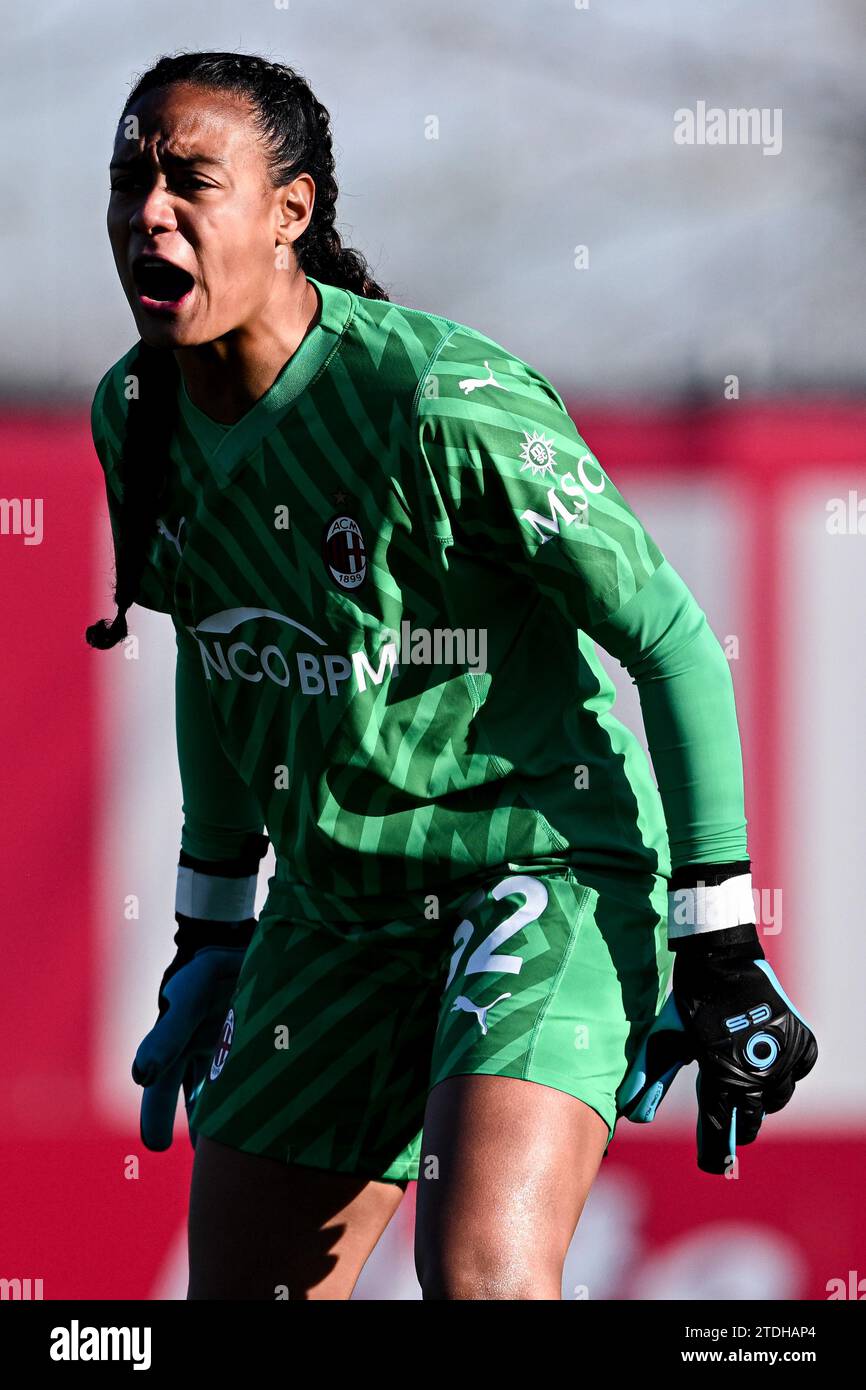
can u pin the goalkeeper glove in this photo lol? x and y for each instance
(727, 1010)
(214, 906)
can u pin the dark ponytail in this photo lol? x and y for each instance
(296, 132)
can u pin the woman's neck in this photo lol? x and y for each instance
(226, 377)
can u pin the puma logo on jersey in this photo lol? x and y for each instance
(474, 383)
(464, 1005)
(164, 531)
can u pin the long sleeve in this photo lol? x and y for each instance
(222, 839)
(504, 471)
(219, 809)
(662, 637)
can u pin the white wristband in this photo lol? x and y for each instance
(213, 898)
(710, 907)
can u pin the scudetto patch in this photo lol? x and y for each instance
(345, 552)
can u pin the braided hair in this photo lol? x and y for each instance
(295, 130)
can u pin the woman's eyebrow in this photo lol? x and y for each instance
(140, 156)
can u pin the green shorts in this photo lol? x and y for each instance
(337, 1032)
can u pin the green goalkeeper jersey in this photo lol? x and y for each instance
(387, 580)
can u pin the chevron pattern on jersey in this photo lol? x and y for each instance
(408, 498)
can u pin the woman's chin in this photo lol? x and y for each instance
(163, 323)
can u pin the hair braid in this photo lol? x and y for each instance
(319, 249)
(144, 471)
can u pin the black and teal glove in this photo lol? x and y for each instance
(197, 987)
(727, 1011)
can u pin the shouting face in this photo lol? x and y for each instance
(198, 231)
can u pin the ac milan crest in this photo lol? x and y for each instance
(345, 552)
(224, 1046)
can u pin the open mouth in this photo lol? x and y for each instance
(159, 282)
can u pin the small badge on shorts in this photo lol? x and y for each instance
(224, 1046)
(345, 552)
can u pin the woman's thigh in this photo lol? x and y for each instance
(556, 976)
(506, 1166)
(263, 1229)
(309, 1122)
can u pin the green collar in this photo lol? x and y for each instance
(228, 445)
(207, 433)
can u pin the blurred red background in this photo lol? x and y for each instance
(655, 1227)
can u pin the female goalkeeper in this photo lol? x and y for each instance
(387, 555)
